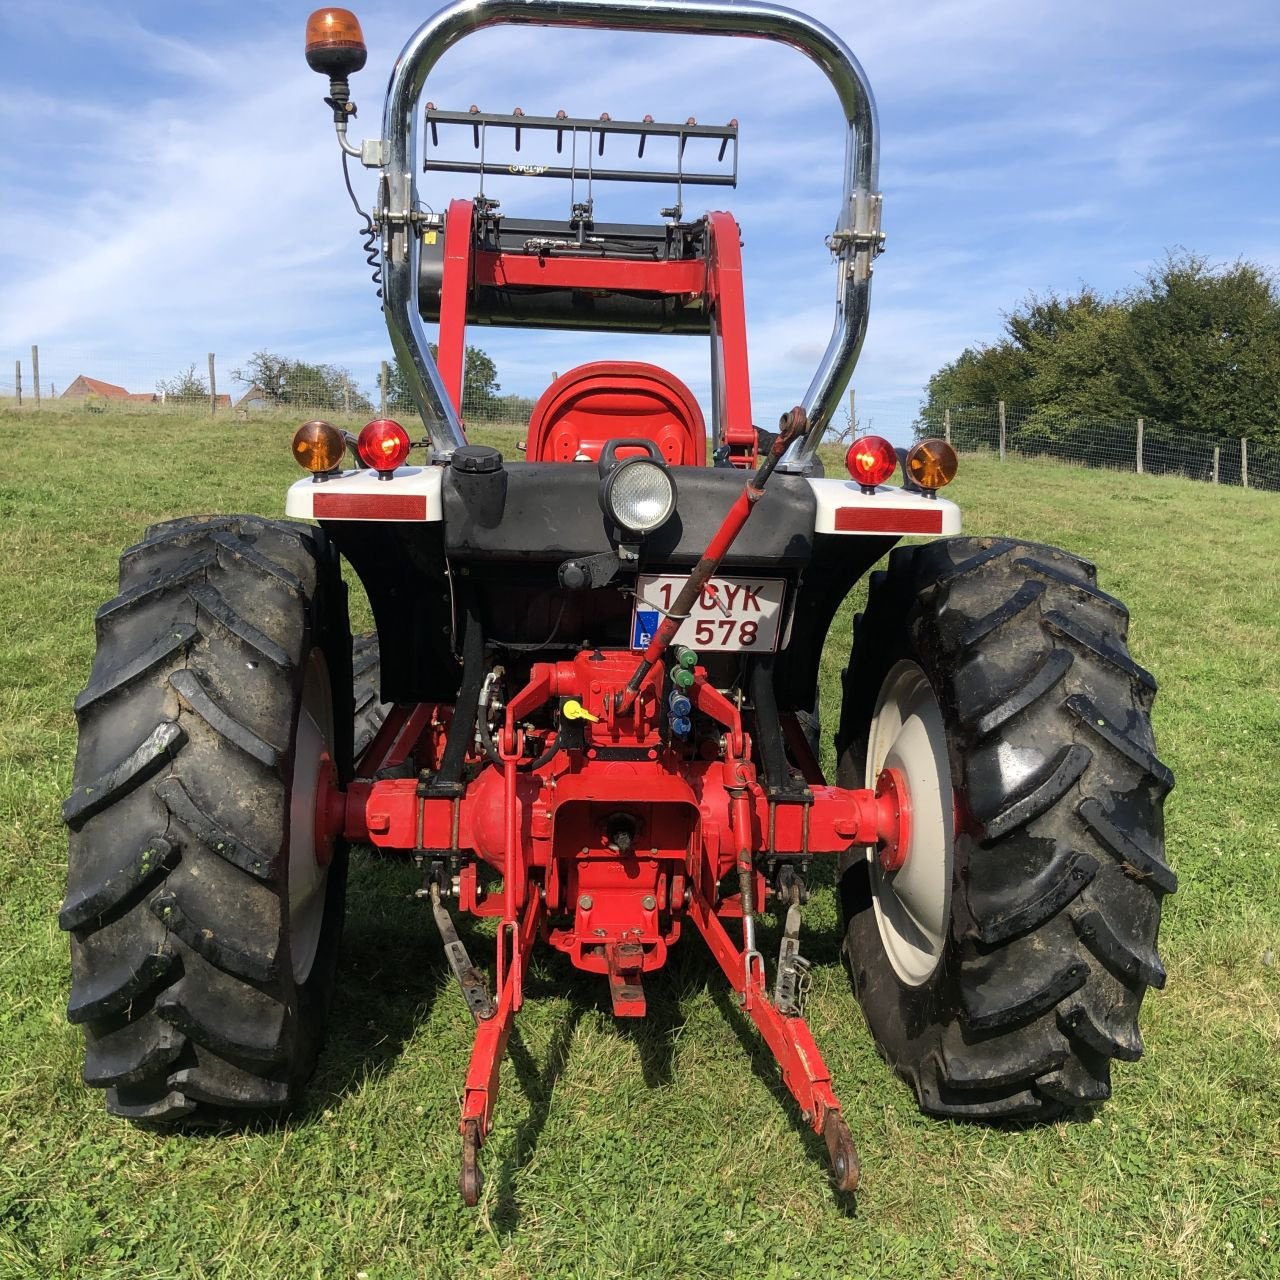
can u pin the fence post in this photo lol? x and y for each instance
(946, 424)
(213, 388)
(1244, 462)
(853, 411)
(346, 395)
(17, 381)
(1002, 426)
(383, 374)
(1217, 449)
(1140, 425)
(35, 372)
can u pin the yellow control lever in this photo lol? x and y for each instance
(574, 710)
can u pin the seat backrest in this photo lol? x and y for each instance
(582, 410)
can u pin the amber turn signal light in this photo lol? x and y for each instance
(335, 43)
(932, 464)
(318, 447)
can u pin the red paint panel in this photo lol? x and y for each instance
(671, 279)
(887, 520)
(454, 291)
(588, 406)
(730, 368)
(370, 506)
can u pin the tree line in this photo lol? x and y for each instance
(1193, 346)
(285, 381)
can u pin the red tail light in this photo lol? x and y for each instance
(384, 445)
(871, 460)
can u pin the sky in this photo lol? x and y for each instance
(172, 185)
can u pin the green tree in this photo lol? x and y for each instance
(1077, 350)
(1194, 346)
(1204, 347)
(479, 385)
(978, 376)
(186, 387)
(267, 371)
(298, 382)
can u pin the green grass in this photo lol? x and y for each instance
(666, 1148)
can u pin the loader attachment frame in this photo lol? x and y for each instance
(855, 241)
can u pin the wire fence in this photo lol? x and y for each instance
(294, 388)
(256, 387)
(1122, 444)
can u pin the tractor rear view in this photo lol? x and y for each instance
(587, 710)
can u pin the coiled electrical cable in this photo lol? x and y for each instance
(370, 245)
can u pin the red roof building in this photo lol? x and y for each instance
(82, 388)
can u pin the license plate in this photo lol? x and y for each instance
(731, 614)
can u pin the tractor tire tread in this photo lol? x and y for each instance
(177, 637)
(103, 895)
(370, 710)
(151, 755)
(212, 604)
(129, 1053)
(1052, 941)
(191, 689)
(177, 898)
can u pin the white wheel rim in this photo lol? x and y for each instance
(913, 904)
(308, 880)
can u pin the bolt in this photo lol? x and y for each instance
(585, 902)
(648, 902)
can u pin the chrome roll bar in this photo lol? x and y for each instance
(855, 242)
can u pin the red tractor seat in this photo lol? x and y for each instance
(582, 410)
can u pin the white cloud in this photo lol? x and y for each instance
(190, 198)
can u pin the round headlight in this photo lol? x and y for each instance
(639, 495)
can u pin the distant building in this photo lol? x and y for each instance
(95, 389)
(254, 398)
(82, 388)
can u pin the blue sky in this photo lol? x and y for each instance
(172, 185)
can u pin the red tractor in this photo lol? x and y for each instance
(587, 711)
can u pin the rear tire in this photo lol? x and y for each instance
(204, 931)
(1003, 980)
(370, 710)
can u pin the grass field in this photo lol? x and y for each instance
(667, 1148)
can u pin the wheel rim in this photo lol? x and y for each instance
(913, 905)
(308, 880)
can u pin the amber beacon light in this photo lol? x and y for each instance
(335, 43)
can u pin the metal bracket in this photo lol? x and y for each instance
(791, 987)
(865, 234)
(840, 241)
